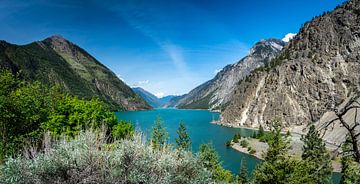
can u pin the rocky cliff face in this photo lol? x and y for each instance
(57, 61)
(314, 73)
(217, 92)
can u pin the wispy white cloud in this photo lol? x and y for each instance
(288, 37)
(140, 83)
(144, 20)
(176, 55)
(143, 82)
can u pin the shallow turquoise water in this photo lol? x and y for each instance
(200, 130)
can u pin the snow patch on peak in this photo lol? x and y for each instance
(276, 45)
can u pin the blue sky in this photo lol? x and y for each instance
(165, 46)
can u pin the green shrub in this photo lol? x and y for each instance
(210, 160)
(86, 159)
(228, 143)
(27, 110)
(249, 148)
(252, 151)
(244, 143)
(122, 130)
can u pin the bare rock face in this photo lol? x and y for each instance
(314, 73)
(217, 92)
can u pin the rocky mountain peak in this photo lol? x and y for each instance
(57, 37)
(59, 43)
(217, 92)
(314, 73)
(267, 46)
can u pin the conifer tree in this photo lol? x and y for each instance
(243, 176)
(210, 160)
(183, 141)
(277, 167)
(261, 131)
(316, 157)
(159, 136)
(350, 168)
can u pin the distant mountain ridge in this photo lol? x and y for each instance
(153, 100)
(217, 92)
(57, 61)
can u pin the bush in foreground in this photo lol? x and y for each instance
(88, 159)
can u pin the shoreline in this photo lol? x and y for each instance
(261, 147)
(218, 122)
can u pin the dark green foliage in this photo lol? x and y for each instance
(228, 143)
(243, 175)
(350, 171)
(122, 130)
(71, 115)
(278, 146)
(159, 136)
(183, 140)
(316, 157)
(254, 135)
(350, 168)
(27, 110)
(277, 167)
(210, 160)
(252, 151)
(236, 137)
(244, 143)
(72, 68)
(261, 131)
(23, 108)
(280, 171)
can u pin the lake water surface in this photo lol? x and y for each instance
(200, 130)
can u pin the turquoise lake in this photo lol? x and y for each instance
(200, 130)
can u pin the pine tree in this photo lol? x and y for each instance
(261, 131)
(183, 141)
(159, 136)
(277, 166)
(236, 137)
(210, 160)
(243, 176)
(316, 157)
(278, 146)
(350, 169)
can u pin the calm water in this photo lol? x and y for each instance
(200, 130)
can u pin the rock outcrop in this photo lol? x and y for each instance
(313, 74)
(216, 93)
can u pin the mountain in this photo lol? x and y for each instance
(217, 92)
(153, 100)
(173, 102)
(57, 61)
(166, 99)
(313, 74)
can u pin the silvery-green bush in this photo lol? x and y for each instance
(88, 159)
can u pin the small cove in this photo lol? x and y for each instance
(200, 130)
